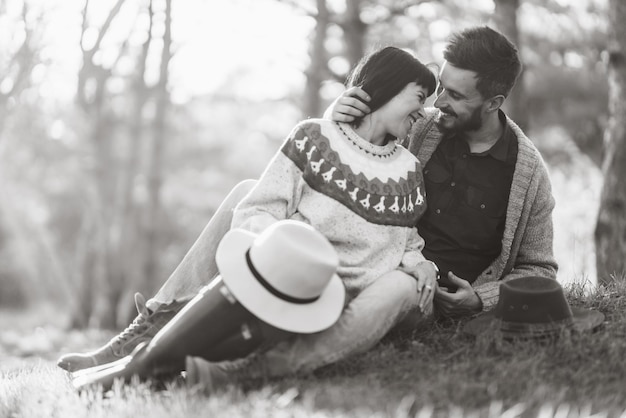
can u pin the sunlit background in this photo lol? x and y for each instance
(109, 170)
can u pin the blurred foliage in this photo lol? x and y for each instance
(48, 161)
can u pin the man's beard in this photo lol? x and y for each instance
(473, 123)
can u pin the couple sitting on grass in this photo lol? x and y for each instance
(321, 257)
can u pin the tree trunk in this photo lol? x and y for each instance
(154, 213)
(17, 68)
(354, 32)
(317, 70)
(108, 289)
(130, 215)
(610, 233)
(506, 21)
(91, 97)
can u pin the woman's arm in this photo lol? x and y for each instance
(276, 195)
(415, 264)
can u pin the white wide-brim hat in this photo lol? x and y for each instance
(285, 276)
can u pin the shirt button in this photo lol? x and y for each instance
(453, 184)
(464, 155)
(482, 206)
(438, 211)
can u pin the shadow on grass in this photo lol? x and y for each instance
(442, 368)
(436, 371)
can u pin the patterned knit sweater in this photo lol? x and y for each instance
(527, 239)
(364, 198)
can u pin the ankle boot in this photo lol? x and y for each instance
(213, 325)
(142, 329)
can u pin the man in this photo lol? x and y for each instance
(489, 215)
(489, 199)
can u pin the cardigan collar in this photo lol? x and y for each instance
(426, 137)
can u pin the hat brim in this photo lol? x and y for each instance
(300, 318)
(583, 320)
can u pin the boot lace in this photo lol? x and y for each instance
(138, 326)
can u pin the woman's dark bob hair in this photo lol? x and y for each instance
(385, 72)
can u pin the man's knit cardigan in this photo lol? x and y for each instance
(527, 239)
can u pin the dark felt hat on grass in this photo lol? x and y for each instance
(533, 307)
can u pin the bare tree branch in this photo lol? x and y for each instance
(83, 26)
(298, 5)
(89, 69)
(107, 23)
(398, 9)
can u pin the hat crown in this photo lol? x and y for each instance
(532, 300)
(294, 259)
(533, 307)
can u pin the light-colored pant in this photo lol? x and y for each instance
(198, 266)
(390, 299)
(375, 311)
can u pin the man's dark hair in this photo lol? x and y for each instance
(384, 73)
(490, 55)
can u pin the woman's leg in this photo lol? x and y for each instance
(363, 323)
(198, 266)
(196, 270)
(376, 310)
(212, 325)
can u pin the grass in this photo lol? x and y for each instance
(437, 372)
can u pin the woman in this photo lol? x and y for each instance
(364, 193)
(353, 182)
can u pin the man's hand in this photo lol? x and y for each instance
(463, 302)
(348, 106)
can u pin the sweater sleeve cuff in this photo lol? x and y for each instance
(488, 294)
(412, 258)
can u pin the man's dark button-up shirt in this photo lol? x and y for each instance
(467, 196)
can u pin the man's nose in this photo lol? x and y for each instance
(440, 100)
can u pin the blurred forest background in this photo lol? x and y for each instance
(123, 124)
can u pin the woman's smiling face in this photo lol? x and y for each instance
(399, 114)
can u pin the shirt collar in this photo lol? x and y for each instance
(499, 150)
